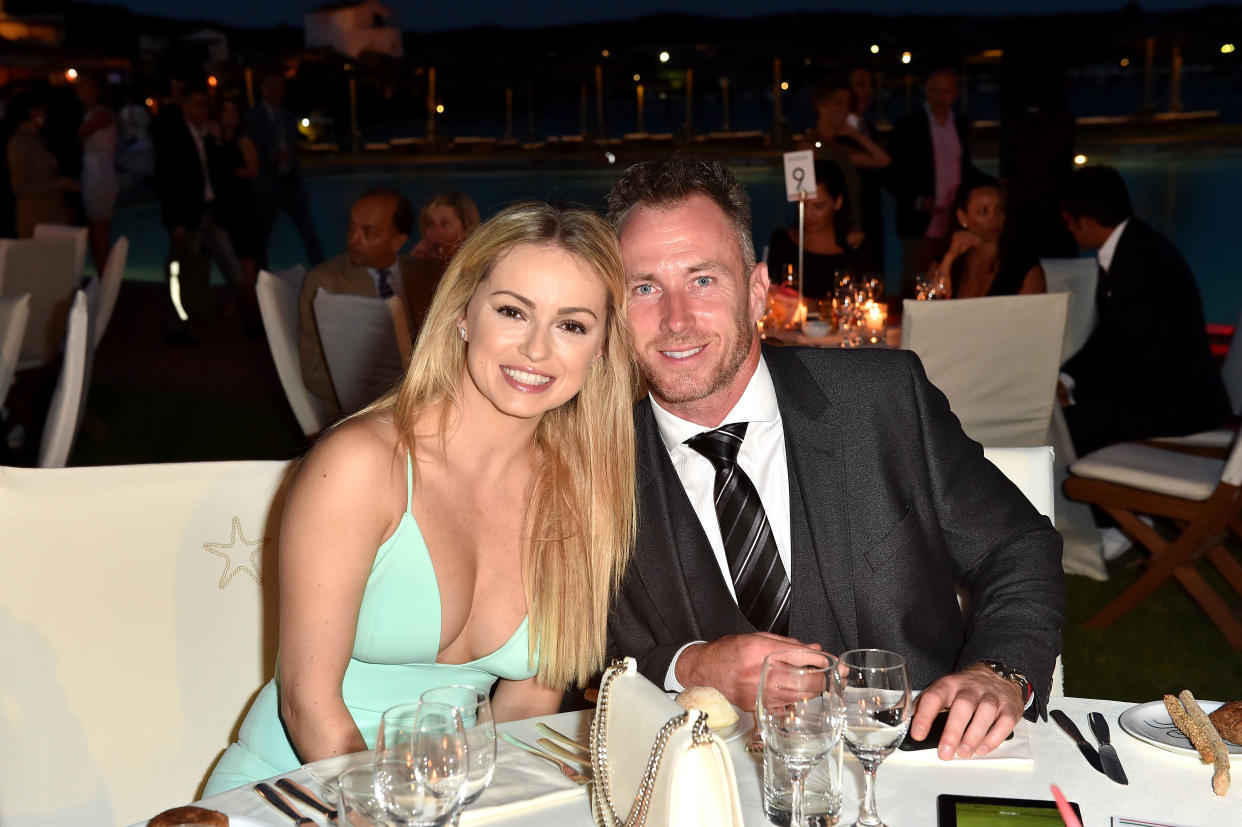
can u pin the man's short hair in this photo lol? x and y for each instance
(942, 69)
(665, 182)
(1097, 192)
(828, 87)
(403, 212)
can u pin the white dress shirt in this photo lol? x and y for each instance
(947, 162)
(1109, 248)
(761, 457)
(209, 194)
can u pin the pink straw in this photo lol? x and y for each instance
(1067, 812)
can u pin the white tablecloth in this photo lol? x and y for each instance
(1164, 787)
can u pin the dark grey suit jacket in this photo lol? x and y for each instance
(891, 507)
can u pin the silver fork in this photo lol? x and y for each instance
(568, 770)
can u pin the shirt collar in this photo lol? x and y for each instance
(1109, 248)
(932, 118)
(757, 404)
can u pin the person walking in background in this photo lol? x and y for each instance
(931, 159)
(99, 186)
(279, 186)
(236, 209)
(34, 173)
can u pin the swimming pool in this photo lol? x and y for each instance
(1193, 199)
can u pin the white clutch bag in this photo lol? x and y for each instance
(656, 764)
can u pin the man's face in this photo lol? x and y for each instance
(864, 91)
(1081, 229)
(941, 91)
(195, 108)
(692, 308)
(372, 240)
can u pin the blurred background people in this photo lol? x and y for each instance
(824, 249)
(237, 167)
(982, 260)
(98, 135)
(279, 186)
(34, 172)
(931, 159)
(444, 222)
(870, 179)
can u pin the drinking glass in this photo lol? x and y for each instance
(421, 762)
(476, 719)
(875, 685)
(358, 805)
(798, 709)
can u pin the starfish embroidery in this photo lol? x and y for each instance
(227, 551)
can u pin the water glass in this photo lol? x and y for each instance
(875, 686)
(421, 763)
(358, 805)
(798, 711)
(821, 790)
(480, 727)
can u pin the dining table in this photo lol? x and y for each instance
(1167, 783)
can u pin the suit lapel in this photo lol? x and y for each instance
(822, 577)
(673, 559)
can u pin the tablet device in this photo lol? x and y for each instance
(981, 811)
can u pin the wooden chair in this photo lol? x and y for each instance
(1203, 498)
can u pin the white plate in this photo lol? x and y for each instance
(741, 727)
(1150, 722)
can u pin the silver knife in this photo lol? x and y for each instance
(1067, 726)
(278, 801)
(1108, 753)
(306, 797)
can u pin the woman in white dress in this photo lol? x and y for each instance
(98, 136)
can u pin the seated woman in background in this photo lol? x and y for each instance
(824, 249)
(445, 221)
(471, 526)
(980, 261)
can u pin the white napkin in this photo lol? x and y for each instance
(522, 782)
(1017, 750)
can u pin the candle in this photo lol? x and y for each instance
(874, 316)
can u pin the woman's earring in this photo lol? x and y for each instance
(461, 331)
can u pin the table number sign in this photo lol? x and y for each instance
(800, 175)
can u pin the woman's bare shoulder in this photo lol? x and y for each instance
(359, 453)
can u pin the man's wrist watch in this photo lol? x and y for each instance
(1012, 675)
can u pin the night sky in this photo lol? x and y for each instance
(420, 15)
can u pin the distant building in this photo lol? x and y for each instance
(39, 28)
(353, 28)
(213, 42)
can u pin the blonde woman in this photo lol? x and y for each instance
(445, 221)
(496, 483)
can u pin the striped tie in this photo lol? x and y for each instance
(759, 579)
(385, 289)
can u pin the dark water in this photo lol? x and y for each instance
(1196, 200)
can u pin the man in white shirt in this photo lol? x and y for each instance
(797, 497)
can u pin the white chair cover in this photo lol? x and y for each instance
(1231, 370)
(278, 304)
(13, 315)
(44, 268)
(137, 621)
(110, 285)
(64, 416)
(360, 346)
(995, 358)
(1077, 277)
(80, 237)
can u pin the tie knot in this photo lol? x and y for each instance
(721, 445)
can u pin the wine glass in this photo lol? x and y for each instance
(359, 806)
(421, 761)
(476, 719)
(875, 685)
(798, 710)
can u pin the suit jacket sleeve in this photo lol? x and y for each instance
(310, 347)
(1004, 553)
(630, 635)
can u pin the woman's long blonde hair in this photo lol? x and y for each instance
(579, 526)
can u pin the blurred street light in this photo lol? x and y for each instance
(905, 57)
(664, 56)
(875, 48)
(71, 75)
(1226, 49)
(1079, 160)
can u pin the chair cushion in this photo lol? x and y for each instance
(1219, 438)
(1152, 469)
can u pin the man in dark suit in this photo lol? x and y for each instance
(931, 159)
(380, 223)
(185, 153)
(279, 186)
(1147, 368)
(869, 495)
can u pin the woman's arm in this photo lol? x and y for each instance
(515, 700)
(250, 154)
(1034, 281)
(869, 154)
(339, 510)
(102, 118)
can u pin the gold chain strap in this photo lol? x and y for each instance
(601, 796)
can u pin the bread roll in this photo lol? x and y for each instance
(1228, 721)
(179, 816)
(720, 713)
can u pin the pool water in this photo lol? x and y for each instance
(1191, 199)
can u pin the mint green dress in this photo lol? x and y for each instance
(393, 660)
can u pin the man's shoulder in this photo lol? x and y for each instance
(330, 272)
(792, 364)
(1142, 246)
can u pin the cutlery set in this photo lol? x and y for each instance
(299, 792)
(1105, 760)
(573, 761)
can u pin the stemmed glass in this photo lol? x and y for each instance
(421, 761)
(798, 710)
(876, 687)
(480, 727)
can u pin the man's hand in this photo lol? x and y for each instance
(732, 664)
(983, 709)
